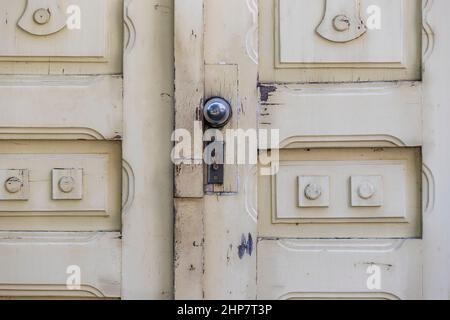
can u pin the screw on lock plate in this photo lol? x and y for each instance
(216, 174)
(215, 162)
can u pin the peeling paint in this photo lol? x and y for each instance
(265, 91)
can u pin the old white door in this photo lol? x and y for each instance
(357, 207)
(85, 198)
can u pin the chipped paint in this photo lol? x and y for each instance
(265, 92)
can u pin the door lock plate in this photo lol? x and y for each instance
(216, 174)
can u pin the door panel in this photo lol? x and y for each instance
(362, 193)
(89, 202)
(36, 265)
(96, 99)
(338, 269)
(299, 45)
(94, 46)
(370, 114)
(357, 207)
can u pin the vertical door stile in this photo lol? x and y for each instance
(189, 99)
(147, 254)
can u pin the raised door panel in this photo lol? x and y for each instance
(340, 269)
(345, 40)
(48, 36)
(38, 265)
(57, 107)
(349, 192)
(374, 114)
(343, 193)
(62, 186)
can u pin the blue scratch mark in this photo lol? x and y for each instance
(246, 246)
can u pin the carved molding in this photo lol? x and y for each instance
(43, 17)
(130, 28)
(351, 55)
(341, 141)
(47, 133)
(429, 187)
(339, 296)
(340, 25)
(251, 40)
(97, 99)
(100, 268)
(250, 192)
(343, 246)
(428, 31)
(293, 109)
(128, 181)
(46, 238)
(48, 291)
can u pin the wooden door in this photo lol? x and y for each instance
(79, 213)
(355, 207)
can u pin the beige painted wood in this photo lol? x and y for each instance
(436, 150)
(96, 48)
(99, 207)
(96, 99)
(188, 193)
(382, 113)
(229, 219)
(189, 249)
(48, 115)
(378, 115)
(189, 94)
(147, 249)
(293, 51)
(399, 215)
(35, 265)
(293, 268)
(333, 269)
(57, 123)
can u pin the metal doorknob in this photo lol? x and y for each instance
(217, 112)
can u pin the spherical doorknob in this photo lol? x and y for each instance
(217, 112)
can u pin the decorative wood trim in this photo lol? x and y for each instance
(48, 291)
(147, 218)
(339, 296)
